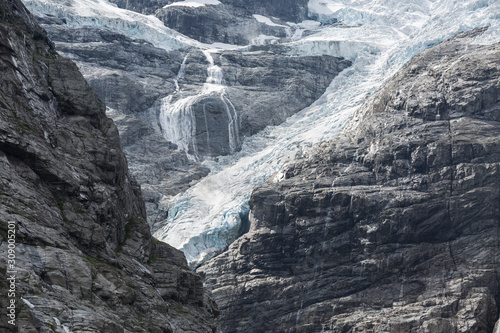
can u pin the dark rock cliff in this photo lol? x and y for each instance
(85, 259)
(392, 227)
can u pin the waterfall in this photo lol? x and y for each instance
(181, 73)
(177, 119)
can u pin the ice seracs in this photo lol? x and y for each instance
(101, 13)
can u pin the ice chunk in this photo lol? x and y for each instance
(193, 3)
(267, 21)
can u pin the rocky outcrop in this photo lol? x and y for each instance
(268, 86)
(132, 76)
(84, 257)
(227, 21)
(287, 10)
(263, 87)
(391, 227)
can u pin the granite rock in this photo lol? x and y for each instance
(230, 21)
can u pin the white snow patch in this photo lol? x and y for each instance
(28, 303)
(193, 3)
(267, 21)
(307, 24)
(264, 40)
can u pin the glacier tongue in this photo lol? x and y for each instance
(382, 37)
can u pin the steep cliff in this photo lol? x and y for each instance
(391, 227)
(84, 257)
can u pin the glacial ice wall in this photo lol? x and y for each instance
(102, 14)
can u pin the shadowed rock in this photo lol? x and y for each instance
(85, 259)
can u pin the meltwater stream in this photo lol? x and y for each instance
(177, 119)
(381, 37)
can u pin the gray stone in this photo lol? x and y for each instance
(230, 22)
(391, 227)
(85, 259)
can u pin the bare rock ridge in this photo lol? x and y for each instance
(392, 227)
(85, 259)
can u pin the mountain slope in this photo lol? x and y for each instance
(391, 227)
(84, 257)
(181, 105)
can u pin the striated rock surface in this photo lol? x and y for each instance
(85, 259)
(391, 227)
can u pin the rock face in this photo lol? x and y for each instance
(85, 260)
(132, 77)
(261, 87)
(393, 226)
(228, 21)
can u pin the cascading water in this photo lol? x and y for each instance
(181, 73)
(178, 121)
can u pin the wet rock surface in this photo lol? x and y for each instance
(85, 259)
(263, 87)
(391, 227)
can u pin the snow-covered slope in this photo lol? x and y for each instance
(377, 36)
(101, 13)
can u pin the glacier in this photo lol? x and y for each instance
(379, 37)
(103, 14)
